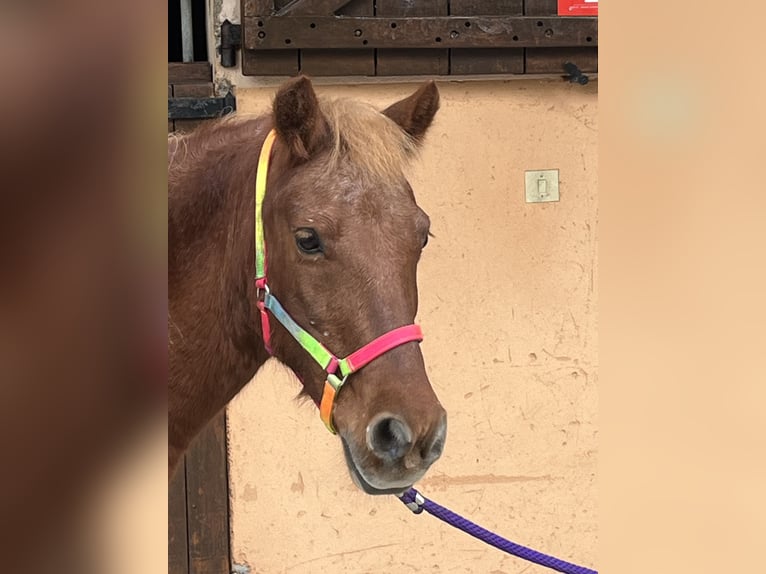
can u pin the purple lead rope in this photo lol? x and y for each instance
(417, 503)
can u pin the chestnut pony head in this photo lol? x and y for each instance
(344, 235)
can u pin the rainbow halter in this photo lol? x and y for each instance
(327, 360)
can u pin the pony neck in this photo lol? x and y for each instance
(212, 325)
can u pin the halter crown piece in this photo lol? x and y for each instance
(269, 303)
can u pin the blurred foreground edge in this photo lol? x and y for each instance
(83, 287)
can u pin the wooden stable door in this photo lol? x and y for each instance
(198, 507)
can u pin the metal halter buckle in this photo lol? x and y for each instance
(261, 286)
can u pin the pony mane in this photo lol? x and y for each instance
(360, 134)
(366, 138)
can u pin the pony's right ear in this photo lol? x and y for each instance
(298, 120)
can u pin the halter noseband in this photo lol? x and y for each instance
(327, 360)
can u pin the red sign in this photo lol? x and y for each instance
(578, 7)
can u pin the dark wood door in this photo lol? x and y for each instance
(198, 507)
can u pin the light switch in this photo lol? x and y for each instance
(542, 185)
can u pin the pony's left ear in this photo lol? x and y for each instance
(415, 113)
(298, 120)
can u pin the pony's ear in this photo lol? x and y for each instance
(298, 120)
(415, 113)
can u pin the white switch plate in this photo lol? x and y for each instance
(542, 185)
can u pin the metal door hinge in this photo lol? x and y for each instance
(231, 41)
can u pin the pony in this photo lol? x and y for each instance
(343, 233)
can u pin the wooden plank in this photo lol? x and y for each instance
(312, 7)
(271, 63)
(486, 7)
(397, 62)
(207, 500)
(204, 90)
(467, 61)
(489, 60)
(341, 62)
(178, 552)
(551, 60)
(422, 33)
(338, 62)
(541, 7)
(189, 73)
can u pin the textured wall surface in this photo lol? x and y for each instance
(508, 306)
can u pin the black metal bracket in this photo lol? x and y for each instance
(231, 41)
(574, 75)
(201, 108)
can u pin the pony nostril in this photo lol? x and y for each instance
(389, 437)
(434, 451)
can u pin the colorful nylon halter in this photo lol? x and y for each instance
(269, 303)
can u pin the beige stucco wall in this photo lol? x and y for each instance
(508, 306)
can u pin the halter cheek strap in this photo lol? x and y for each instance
(269, 304)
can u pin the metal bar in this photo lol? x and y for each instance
(200, 108)
(187, 39)
(275, 32)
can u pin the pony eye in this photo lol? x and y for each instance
(308, 241)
